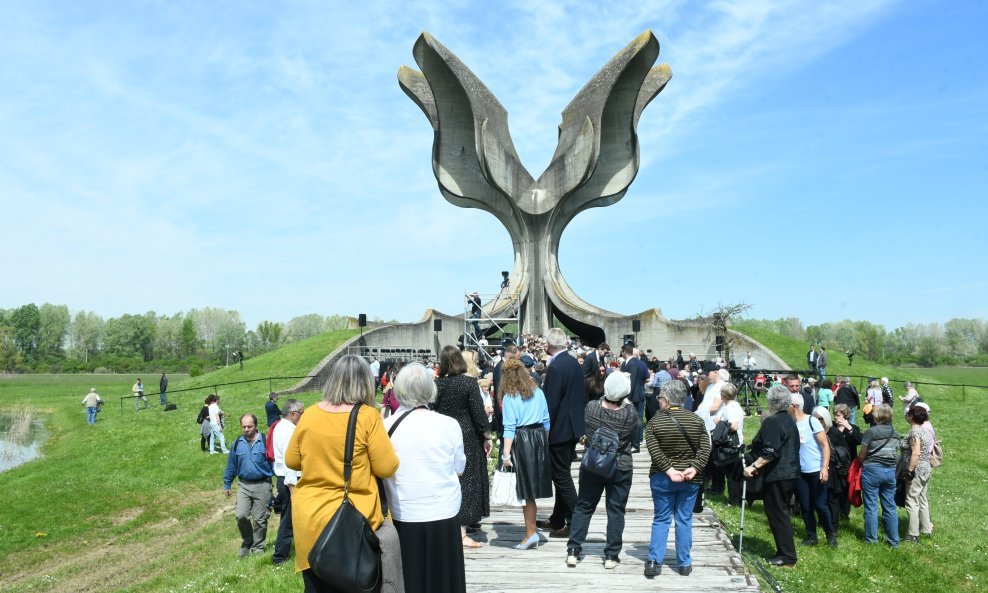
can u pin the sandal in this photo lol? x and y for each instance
(470, 544)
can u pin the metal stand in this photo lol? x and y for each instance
(749, 392)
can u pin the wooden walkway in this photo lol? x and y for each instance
(497, 567)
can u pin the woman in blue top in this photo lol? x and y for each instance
(526, 444)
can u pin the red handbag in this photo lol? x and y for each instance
(854, 483)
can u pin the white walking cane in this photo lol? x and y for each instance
(744, 500)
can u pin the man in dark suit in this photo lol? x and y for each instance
(634, 366)
(593, 361)
(567, 398)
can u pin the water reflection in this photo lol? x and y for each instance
(22, 433)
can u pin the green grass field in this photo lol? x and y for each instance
(953, 560)
(133, 505)
(961, 375)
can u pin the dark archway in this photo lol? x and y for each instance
(590, 335)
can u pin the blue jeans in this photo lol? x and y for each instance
(163, 400)
(672, 500)
(878, 481)
(217, 435)
(91, 415)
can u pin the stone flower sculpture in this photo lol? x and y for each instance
(595, 161)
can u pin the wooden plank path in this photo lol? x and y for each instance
(497, 567)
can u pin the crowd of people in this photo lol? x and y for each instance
(420, 472)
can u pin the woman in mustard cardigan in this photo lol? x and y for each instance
(316, 448)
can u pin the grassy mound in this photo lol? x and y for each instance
(953, 560)
(132, 503)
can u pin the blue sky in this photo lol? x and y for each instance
(824, 160)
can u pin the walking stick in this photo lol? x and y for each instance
(744, 499)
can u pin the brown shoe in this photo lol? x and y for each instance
(561, 532)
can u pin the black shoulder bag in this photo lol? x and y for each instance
(347, 554)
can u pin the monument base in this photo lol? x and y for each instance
(407, 342)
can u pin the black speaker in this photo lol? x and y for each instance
(437, 325)
(362, 320)
(628, 339)
(636, 325)
(720, 341)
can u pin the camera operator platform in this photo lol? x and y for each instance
(502, 308)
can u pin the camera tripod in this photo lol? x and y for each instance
(750, 393)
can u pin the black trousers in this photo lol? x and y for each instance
(776, 497)
(561, 458)
(591, 487)
(283, 545)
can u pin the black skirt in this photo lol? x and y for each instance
(530, 456)
(432, 556)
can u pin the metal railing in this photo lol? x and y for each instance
(214, 388)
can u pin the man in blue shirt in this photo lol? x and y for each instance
(249, 464)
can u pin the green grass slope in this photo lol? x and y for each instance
(954, 559)
(132, 503)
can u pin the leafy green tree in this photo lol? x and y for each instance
(131, 336)
(188, 340)
(305, 326)
(168, 337)
(87, 335)
(269, 333)
(26, 321)
(53, 327)
(221, 331)
(10, 358)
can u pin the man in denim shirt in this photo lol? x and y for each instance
(249, 464)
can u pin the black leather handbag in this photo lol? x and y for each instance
(347, 554)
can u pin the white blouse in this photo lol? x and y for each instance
(426, 486)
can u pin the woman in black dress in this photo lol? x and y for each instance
(458, 396)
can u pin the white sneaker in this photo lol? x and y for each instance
(610, 563)
(572, 559)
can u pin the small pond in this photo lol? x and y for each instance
(22, 434)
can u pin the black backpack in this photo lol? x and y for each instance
(725, 446)
(600, 457)
(840, 457)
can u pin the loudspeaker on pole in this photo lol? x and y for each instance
(437, 325)
(362, 320)
(636, 325)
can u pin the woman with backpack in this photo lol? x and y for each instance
(614, 418)
(205, 430)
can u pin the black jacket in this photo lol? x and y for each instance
(778, 441)
(567, 398)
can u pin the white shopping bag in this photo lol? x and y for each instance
(503, 492)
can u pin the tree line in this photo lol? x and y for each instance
(51, 339)
(956, 342)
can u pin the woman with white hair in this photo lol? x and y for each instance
(776, 456)
(812, 489)
(424, 494)
(614, 411)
